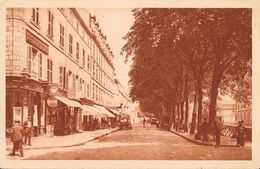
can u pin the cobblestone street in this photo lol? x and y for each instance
(141, 144)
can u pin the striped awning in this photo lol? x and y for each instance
(69, 102)
(89, 110)
(114, 111)
(104, 111)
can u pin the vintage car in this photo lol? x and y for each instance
(154, 121)
(125, 124)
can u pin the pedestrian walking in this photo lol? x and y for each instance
(240, 134)
(95, 124)
(218, 128)
(144, 121)
(205, 130)
(17, 132)
(177, 123)
(27, 130)
(109, 124)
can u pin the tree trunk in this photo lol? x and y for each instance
(186, 114)
(182, 112)
(161, 116)
(194, 114)
(186, 100)
(170, 115)
(200, 97)
(178, 111)
(173, 116)
(216, 79)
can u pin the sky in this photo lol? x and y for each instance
(115, 24)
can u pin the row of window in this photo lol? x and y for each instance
(98, 94)
(35, 20)
(78, 52)
(32, 66)
(67, 80)
(97, 72)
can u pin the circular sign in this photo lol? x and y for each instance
(52, 102)
(53, 90)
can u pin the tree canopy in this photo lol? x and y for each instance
(179, 52)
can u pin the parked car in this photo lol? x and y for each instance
(154, 121)
(125, 124)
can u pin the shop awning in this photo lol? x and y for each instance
(114, 111)
(125, 115)
(105, 111)
(90, 110)
(69, 102)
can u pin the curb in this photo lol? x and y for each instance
(201, 143)
(191, 140)
(71, 145)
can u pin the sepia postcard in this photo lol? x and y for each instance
(130, 84)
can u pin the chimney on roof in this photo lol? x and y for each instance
(92, 17)
(97, 24)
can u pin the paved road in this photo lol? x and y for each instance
(141, 144)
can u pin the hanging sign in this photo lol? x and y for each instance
(25, 113)
(17, 113)
(53, 89)
(52, 102)
(35, 116)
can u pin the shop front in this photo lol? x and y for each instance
(89, 114)
(117, 116)
(65, 117)
(25, 98)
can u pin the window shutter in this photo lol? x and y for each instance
(29, 59)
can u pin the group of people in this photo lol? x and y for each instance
(204, 129)
(106, 123)
(20, 134)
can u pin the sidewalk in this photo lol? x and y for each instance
(47, 142)
(225, 141)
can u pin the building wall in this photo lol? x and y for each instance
(20, 19)
(244, 112)
(74, 76)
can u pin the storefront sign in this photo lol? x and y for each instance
(25, 113)
(43, 114)
(52, 102)
(17, 113)
(25, 101)
(53, 90)
(35, 41)
(35, 116)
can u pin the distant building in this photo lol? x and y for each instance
(243, 112)
(226, 111)
(232, 111)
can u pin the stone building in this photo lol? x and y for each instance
(57, 60)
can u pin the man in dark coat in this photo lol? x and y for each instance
(144, 121)
(17, 137)
(27, 131)
(240, 134)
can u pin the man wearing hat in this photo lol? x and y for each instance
(17, 132)
(240, 134)
(27, 130)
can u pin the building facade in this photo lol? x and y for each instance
(244, 112)
(56, 59)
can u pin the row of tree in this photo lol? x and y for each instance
(185, 55)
